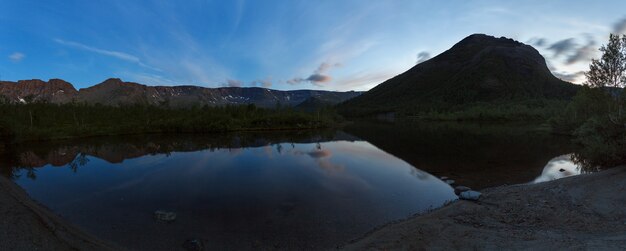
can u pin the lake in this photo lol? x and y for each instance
(275, 190)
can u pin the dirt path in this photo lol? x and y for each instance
(586, 212)
(26, 225)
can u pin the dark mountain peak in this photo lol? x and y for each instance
(34, 81)
(61, 84)
(114, 82)
(52, 85)
(486, 40)
(479, 68)
(481, 45)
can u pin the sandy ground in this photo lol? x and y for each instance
(26, 225)
(586, 212)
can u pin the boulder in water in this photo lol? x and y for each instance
(460, 189)
(164, 216)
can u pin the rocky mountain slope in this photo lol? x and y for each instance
(53, 91)
(117, 92)
(480, 68)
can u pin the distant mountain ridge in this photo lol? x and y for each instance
(479, 68)
(114, 91)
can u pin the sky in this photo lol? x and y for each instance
(282, 44)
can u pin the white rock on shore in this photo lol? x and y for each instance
(470, 195)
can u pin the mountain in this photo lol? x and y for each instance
(313, 104)
(114, 91)
(53, 91)
(478, 69)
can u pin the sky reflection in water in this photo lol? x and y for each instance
(290, 195)
(557, 168)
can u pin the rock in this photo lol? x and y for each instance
(164, 216)
(470, 195)
(561, 170)
(193, 245)
(54, 91)
(460, 189)
(449, 182)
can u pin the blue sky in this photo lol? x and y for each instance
(287, 44)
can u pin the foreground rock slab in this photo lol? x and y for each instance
(26, 225)
(584, 212)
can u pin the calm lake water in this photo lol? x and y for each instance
(285, 190)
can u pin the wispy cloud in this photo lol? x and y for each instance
(233, 83)
(584, 53)
(110, 53)
(16, 56)
(422, 56)
(148, 79)
(620, 27)
(318, 77)
(364, 80)
(575, 77)
(562, 47)
(538, 41)
(265, 83)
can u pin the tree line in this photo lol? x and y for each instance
(596, 115)
(43, 121)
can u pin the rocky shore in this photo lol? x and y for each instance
(585, 212)
(27, 225)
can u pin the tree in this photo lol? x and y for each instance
(610, 69)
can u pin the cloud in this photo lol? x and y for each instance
(325, 67)
(265, 83)
(295, 81)
(620, 27)
(422, 56)
(148, 79)
(116, 54)
(318, 77)
(365, 80)
(320, 153)
(575, 77)
(538, 42)
(562, 47)
(16, 56)
(233, 83)
(583, 54)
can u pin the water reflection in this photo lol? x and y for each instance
(473, 154)
(295, 190)
(238, 193)
(559, 167)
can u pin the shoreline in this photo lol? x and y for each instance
(28, 225)
(575, 213)
(584, 212)
(243, 130)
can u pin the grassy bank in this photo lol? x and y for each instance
(539, 110)
(41, 121)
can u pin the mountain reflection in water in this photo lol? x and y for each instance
(240, 193)
(286, 190)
